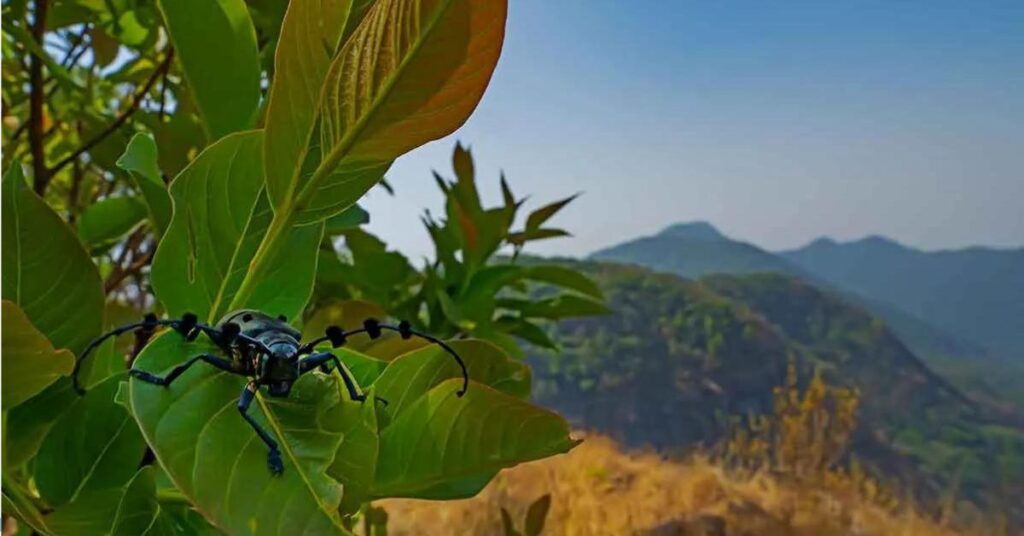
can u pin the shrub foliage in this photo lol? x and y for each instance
(195, 156)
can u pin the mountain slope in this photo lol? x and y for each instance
(677, 356)
(697, 249)
(977, 293)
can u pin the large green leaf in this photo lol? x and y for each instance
(565, 278)
(442, 438)
(28, 423)
(138, 508)
(411, 72)
(350, 218)
(309, 37)
(90, 515)
(45, 270)
(140, 160)
(128, 510)
(220, 216)
(411, 375)
(94, 446)
(216, 44)
(30, 363)
(374, 445)
(109, 219)
(216, 459)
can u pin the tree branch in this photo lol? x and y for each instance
(121, 119)
(40, 176)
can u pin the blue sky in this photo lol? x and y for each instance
(776, 121)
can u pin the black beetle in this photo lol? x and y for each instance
(267, 350)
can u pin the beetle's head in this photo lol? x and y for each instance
(282, 369)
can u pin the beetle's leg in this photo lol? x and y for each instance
(274, 455)
(321, 360)
(219, 362)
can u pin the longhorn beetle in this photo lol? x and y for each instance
(268, 351)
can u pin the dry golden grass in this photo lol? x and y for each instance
(599, 489)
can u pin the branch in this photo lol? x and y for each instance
(121, 119)
(40, 176)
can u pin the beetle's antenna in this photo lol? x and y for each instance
(150, 321)
(372, 327)
(189, 327)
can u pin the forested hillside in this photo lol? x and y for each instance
(677, 357)
(867, 273)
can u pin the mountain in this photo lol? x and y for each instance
(976, 293)
(677, 356)
(698, 249)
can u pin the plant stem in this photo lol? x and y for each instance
(40, 176)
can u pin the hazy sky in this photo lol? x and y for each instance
(776, 121)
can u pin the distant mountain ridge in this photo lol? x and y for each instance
(976, 292)
(697, 249)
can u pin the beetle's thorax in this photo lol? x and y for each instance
(279, 368)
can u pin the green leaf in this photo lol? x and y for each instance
(442, 437)
(216, 44)
(138, 508)
(364, 369)
(348, 219)
(528, 331)
(410, 376)
(355, 462)
(45, 270)
(477, 301)
(536, 515)
(411, 72)
(565, 278)
(140, 160)
(94, 446)
(543, 214)
(109, 219)
(28, 423)
(128, 510)
(215, 458)
(562, 306)
(310, 36)
(30, 363)
(104, 47)
(521, 237)
(90, 515)
(221, 214)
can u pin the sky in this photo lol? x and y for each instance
(778, 122)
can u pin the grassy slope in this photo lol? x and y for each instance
(598, 489)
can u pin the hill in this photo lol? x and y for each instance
(678, 356)
(975, 292)
(697, 249)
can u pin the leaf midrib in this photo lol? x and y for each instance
(328, 164)
(276, 426)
